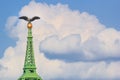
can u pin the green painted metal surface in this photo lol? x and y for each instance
(29, 70)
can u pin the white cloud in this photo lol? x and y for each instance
(68, 44)
(106, 45)
(96, 41)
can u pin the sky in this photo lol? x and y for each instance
(76, 39)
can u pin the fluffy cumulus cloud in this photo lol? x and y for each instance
(67, 49)
(68, 45)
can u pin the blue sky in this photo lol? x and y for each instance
(107, 11)
(84, 36)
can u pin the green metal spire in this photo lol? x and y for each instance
(29, 59)
(29, 70)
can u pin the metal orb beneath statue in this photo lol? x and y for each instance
(29, 25)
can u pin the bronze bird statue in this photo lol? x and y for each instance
(28, 19)
(29, 25)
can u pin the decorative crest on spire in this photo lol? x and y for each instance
(29, 25)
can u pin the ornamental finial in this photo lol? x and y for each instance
(29, 25)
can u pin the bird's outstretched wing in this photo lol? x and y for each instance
(34, 18)
(24, 17)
